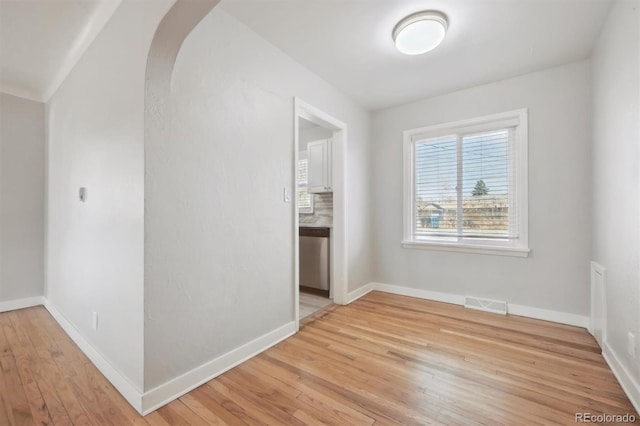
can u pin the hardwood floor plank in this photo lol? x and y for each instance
(39, 409)
(186, 413)
(13, 395)
(208, 416)
(57, 383)
(204, 396)
(395, 386)
(344, 412)
(87, 394)
(383, 360)
(269, 401)
(17, 392)
(178, 414)
(397, 373)
(298, 406)
(238, 407)
(264, 412)
(4, 406)
(43, 370)
(156, 419)
(341, 387)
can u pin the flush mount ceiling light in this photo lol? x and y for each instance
(420, 32)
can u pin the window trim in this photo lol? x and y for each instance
(518, 119)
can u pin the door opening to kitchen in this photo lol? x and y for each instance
(320, 238)
(315, 217)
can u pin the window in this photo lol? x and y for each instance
(305, 199)
(466, 186)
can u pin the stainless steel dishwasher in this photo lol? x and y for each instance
(314, 260)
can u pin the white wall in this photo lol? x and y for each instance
(219, 238)
(555, 275)
(22, 183)
(95, 249)
(615, 180)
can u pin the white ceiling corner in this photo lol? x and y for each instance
(94, 25)
(41, 41)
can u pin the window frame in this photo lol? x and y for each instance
(516, 119)
(303, 156)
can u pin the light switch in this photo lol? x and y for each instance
(287, 195)
(82, 194)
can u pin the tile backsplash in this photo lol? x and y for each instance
(322, 211)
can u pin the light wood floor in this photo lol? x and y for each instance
(312, 303)
(383, 359)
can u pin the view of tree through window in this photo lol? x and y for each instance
(462, 186)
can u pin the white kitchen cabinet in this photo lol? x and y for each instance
(319, 157)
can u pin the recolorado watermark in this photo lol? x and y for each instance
(605, 418)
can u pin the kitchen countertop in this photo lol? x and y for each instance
(314, 231)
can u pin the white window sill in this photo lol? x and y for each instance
(467, 248)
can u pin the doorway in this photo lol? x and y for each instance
(319, 210)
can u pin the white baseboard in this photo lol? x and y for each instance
(525, 311)
(629, 384)
(547, 315)
(126, 389)
(149, 401)
(27, 302)
(357, 294)
(175, 388)
(421, 294)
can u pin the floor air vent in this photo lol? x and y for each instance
(495, 306)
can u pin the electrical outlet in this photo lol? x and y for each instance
(631, 344)
(95, 321)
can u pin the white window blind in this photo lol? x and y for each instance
(466, 185)
(305, 199)
(463, 187)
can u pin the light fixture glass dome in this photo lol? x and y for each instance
(420, 32)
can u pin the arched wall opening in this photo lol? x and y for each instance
(184, 247)
(219, 234)
(171, 33)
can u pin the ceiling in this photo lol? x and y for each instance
(41, 41)
(304, 124)
(348, 42)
